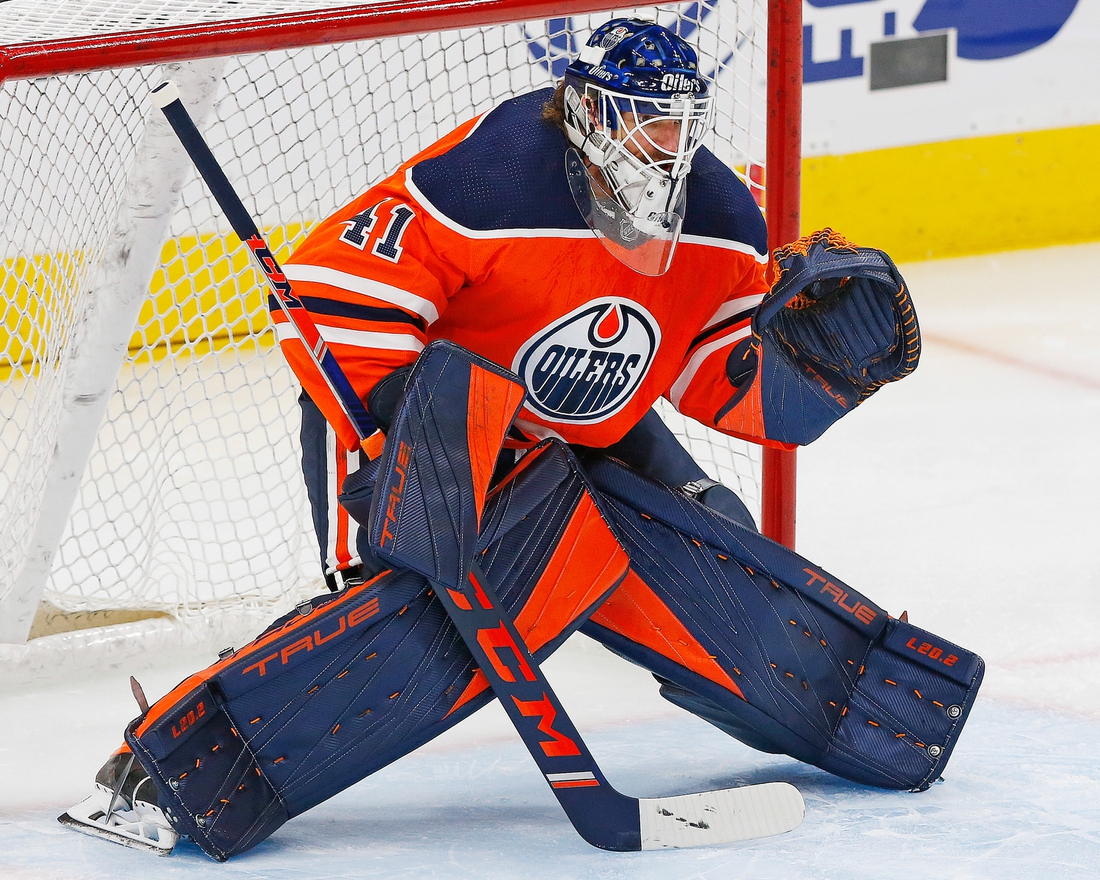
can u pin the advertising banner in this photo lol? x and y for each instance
(890, 73)
(946, 127)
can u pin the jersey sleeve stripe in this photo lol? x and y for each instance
(360, 338)
(335, 308)
(425, 308)
(535, 430)
(743, 319)
(734, 308)
(343, 531)
(680, 385)
(728, 244)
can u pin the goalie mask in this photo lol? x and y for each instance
(635, 111)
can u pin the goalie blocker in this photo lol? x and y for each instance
(742, 632)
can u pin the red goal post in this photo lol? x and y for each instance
(34, 363)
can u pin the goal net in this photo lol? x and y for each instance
(150, 485)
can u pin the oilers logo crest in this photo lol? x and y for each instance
(614, 37)
(585, 366)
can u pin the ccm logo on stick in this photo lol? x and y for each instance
(559, 745)
(859, 611)
(931, 652)
(496, 642)
(271, 270)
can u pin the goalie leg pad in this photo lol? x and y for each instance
(225, 746)
(774, 650)
(354, 680)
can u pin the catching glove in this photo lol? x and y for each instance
(837, 325)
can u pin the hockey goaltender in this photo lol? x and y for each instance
(508, 305)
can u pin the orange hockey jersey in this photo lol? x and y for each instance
(478, 240)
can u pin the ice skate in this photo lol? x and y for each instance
(123, 808)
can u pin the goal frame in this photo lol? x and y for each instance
(403, 17)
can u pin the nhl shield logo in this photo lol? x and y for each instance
(585, 366)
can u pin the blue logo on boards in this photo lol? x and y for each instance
(986, 30)
(587, 365)
(990, 29)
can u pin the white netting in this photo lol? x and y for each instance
(28, 20)
(192, 501)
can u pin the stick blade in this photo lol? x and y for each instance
(725, 816)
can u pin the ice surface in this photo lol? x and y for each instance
(969, 494)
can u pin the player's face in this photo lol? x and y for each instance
(651, 138)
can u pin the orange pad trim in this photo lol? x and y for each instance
(637, 613)
(492, 404)
(587, 563)
(186, 687)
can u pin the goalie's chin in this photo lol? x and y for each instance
(645, 245)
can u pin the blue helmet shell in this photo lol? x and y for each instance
(641, 59)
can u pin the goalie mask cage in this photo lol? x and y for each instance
(150, 485)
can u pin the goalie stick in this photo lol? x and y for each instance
(600, 814)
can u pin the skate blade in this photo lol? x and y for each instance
(120, 834)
